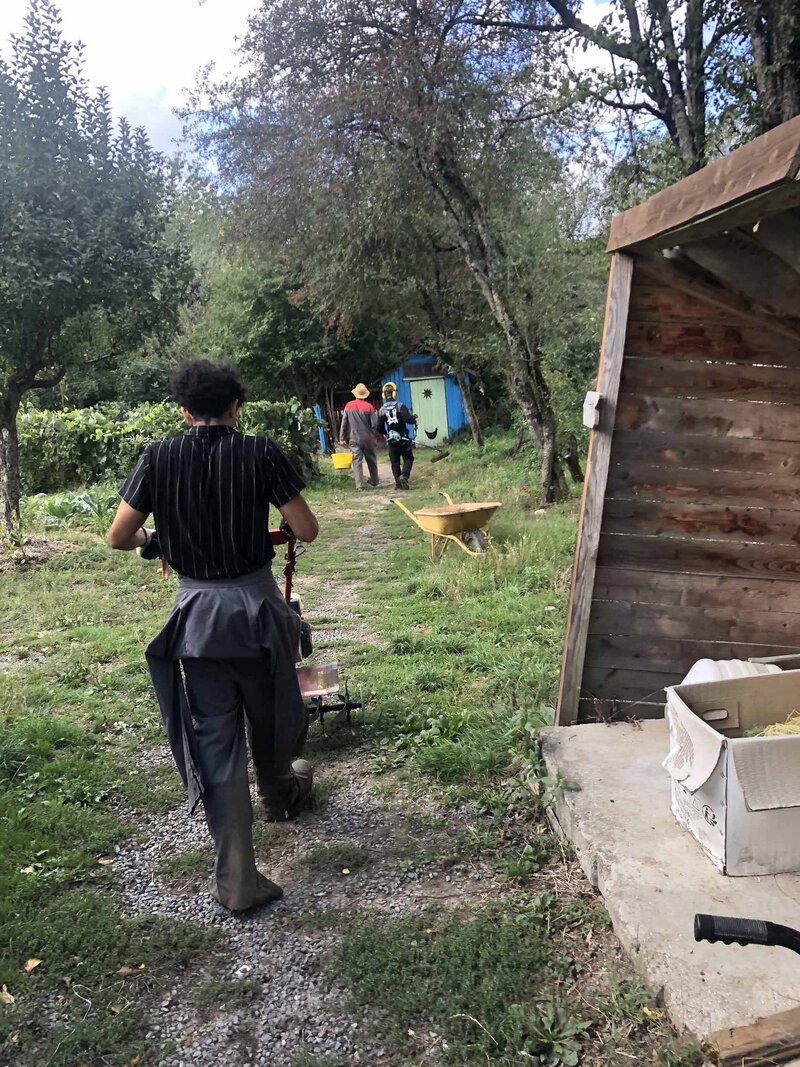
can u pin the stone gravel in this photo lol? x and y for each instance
(286, 948)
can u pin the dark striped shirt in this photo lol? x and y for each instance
(209, 492)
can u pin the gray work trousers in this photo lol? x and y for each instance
(364, 450)
(230, 699)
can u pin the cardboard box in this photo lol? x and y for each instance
(738, 795)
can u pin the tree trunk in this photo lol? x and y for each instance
(527, 387)
(485, 258)
(572, 460)
(333, 424)
(774, 29)
(469, 408)
(10, 531)
(541, 428)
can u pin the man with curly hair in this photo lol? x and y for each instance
(223, 666)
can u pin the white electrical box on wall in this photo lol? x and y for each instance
(591, 410)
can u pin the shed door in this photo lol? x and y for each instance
(428, 401)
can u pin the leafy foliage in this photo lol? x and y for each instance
(87, 264)
(285, 347)
(62, 449)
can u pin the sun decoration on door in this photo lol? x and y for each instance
(427, 393)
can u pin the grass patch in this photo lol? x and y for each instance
(325, 787)
(495, 987)
(220, 992)
(75, 701)
(266, 835)
(83, 943)
(464, 977)
(186, 866)
(338, 856)
(307, 1059)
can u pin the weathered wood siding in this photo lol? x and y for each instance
(699, 551)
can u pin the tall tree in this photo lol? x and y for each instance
(681, 65)
(335, 89)
(85, 208)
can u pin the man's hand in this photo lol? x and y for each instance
(151, 549)
(343, 443)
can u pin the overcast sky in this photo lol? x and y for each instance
(145, 51)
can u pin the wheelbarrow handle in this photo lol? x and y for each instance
(447, 497)
(729, 931)
(402, 507)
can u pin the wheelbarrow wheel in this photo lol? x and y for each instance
(475, 539)
(306, 643)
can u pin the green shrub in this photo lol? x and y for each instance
(66, 449)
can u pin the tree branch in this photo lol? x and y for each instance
(51, 382)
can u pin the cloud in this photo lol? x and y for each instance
(147, 52)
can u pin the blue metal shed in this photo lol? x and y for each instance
(430, 393)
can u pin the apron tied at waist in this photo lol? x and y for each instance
(223, 619)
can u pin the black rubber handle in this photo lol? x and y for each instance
(731, 931)
(713, 928)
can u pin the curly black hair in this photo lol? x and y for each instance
(206, 389)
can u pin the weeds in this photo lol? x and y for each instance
(535, 855)
(462, 976)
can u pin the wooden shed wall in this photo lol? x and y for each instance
(700, 540)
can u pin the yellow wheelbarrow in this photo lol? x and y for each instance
(446, 524)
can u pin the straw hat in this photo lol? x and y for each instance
(360, 391)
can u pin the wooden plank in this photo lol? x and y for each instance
(615, 684)
(610, 711)
(591, 516)
(710, 381)
(642, 481)
(679, 623)
(695, 590)
(745, 267)
(679, 275)
(770, 526)
(675, 452)
(661, 654)
(721, 341)
(675, 554)
(652, 301)
(710, 418)
(781, 235)
(754, 168)
(764, 1043)
(773, 202)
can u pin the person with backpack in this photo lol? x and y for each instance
(394, 421)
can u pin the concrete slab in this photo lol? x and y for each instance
(653, 877)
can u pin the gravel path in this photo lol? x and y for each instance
(402, 860)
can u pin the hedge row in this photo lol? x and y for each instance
(66, 449)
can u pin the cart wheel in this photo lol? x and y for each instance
(306, 643)
(475, 539)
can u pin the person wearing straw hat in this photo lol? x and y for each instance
(358, 433)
